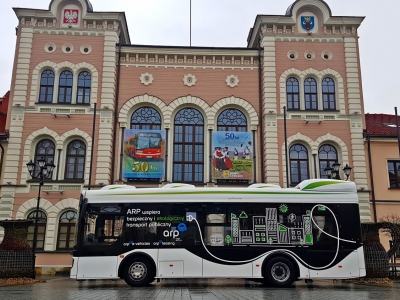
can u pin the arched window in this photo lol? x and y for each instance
(75, 166)
(292, 94)
(41, 233)
(46, 87)
(45, 149)
(327, 156)
(65, 87)
(232, 120)
(84, 88)
(328, 94)
(310, 94)
(146, 118)
(66, 230)
(298, 164)
(188, 164)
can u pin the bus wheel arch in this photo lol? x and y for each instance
(143, 266)
(284, 264)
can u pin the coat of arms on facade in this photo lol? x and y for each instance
(307, 23)
(71, 16)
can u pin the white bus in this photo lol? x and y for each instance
(262, 232)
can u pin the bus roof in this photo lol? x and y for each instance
(320, 190)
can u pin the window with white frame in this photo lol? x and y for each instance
(84, 88)
(310, 94)
(45, 149)
(65, 84)
(41, 231)
(66, 230)
(75, 160)
(315, 95)
(68, 90)
(299, 164)
(292, 94)
(328, 94)
(327, 156)
(46, 86)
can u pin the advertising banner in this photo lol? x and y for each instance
(144, 152)
(232, 155)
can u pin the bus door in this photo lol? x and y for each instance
(326, 258)
(180, 251)
(101, 245)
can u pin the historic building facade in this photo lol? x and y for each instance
(73, 63)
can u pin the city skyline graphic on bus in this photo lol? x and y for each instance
(232, 154)
(268, 230)
(144, 153)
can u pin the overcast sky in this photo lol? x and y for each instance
(226, 23)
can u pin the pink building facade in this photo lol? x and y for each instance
(72, 63)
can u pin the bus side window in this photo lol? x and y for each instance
(324, 227)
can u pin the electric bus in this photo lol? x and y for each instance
(262, 233)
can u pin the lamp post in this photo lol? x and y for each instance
(45, 172)
(333, 172)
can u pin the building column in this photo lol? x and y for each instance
(269, 112)
(108, 105)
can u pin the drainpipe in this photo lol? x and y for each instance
(372, 177)
(1, 159)
(210, 158)
(116, 112)
(121, 154)
(261, 114)
(166, 155)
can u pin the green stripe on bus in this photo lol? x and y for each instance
(318, 184)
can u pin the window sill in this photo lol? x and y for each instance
(67, 104)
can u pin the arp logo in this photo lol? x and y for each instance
(175, 233)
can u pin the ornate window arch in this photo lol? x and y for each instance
(327, 156)
(232, 119)
(46, 88)
(66, 229)
(299, 164)
(75, 160)
(84, 87)
(146, 118)
(65, 85)
(293, 93)
(188, 147)
(41, 231)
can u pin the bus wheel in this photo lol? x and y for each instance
(139, 272)
(280, 271)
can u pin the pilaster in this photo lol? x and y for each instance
(270, 142)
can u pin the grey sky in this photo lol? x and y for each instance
(226, 23)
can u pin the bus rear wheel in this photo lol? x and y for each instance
(139, 272)
(280, 272)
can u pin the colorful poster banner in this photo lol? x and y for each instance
(232, 155)
(144, 153)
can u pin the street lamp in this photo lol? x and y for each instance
(333, 172)
(45, 172)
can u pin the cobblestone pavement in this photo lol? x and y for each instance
(60, 288)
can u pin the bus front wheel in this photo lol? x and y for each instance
(139, 272)
(280, 272)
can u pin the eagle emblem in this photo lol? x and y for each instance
(307, 23)
(71, 16)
